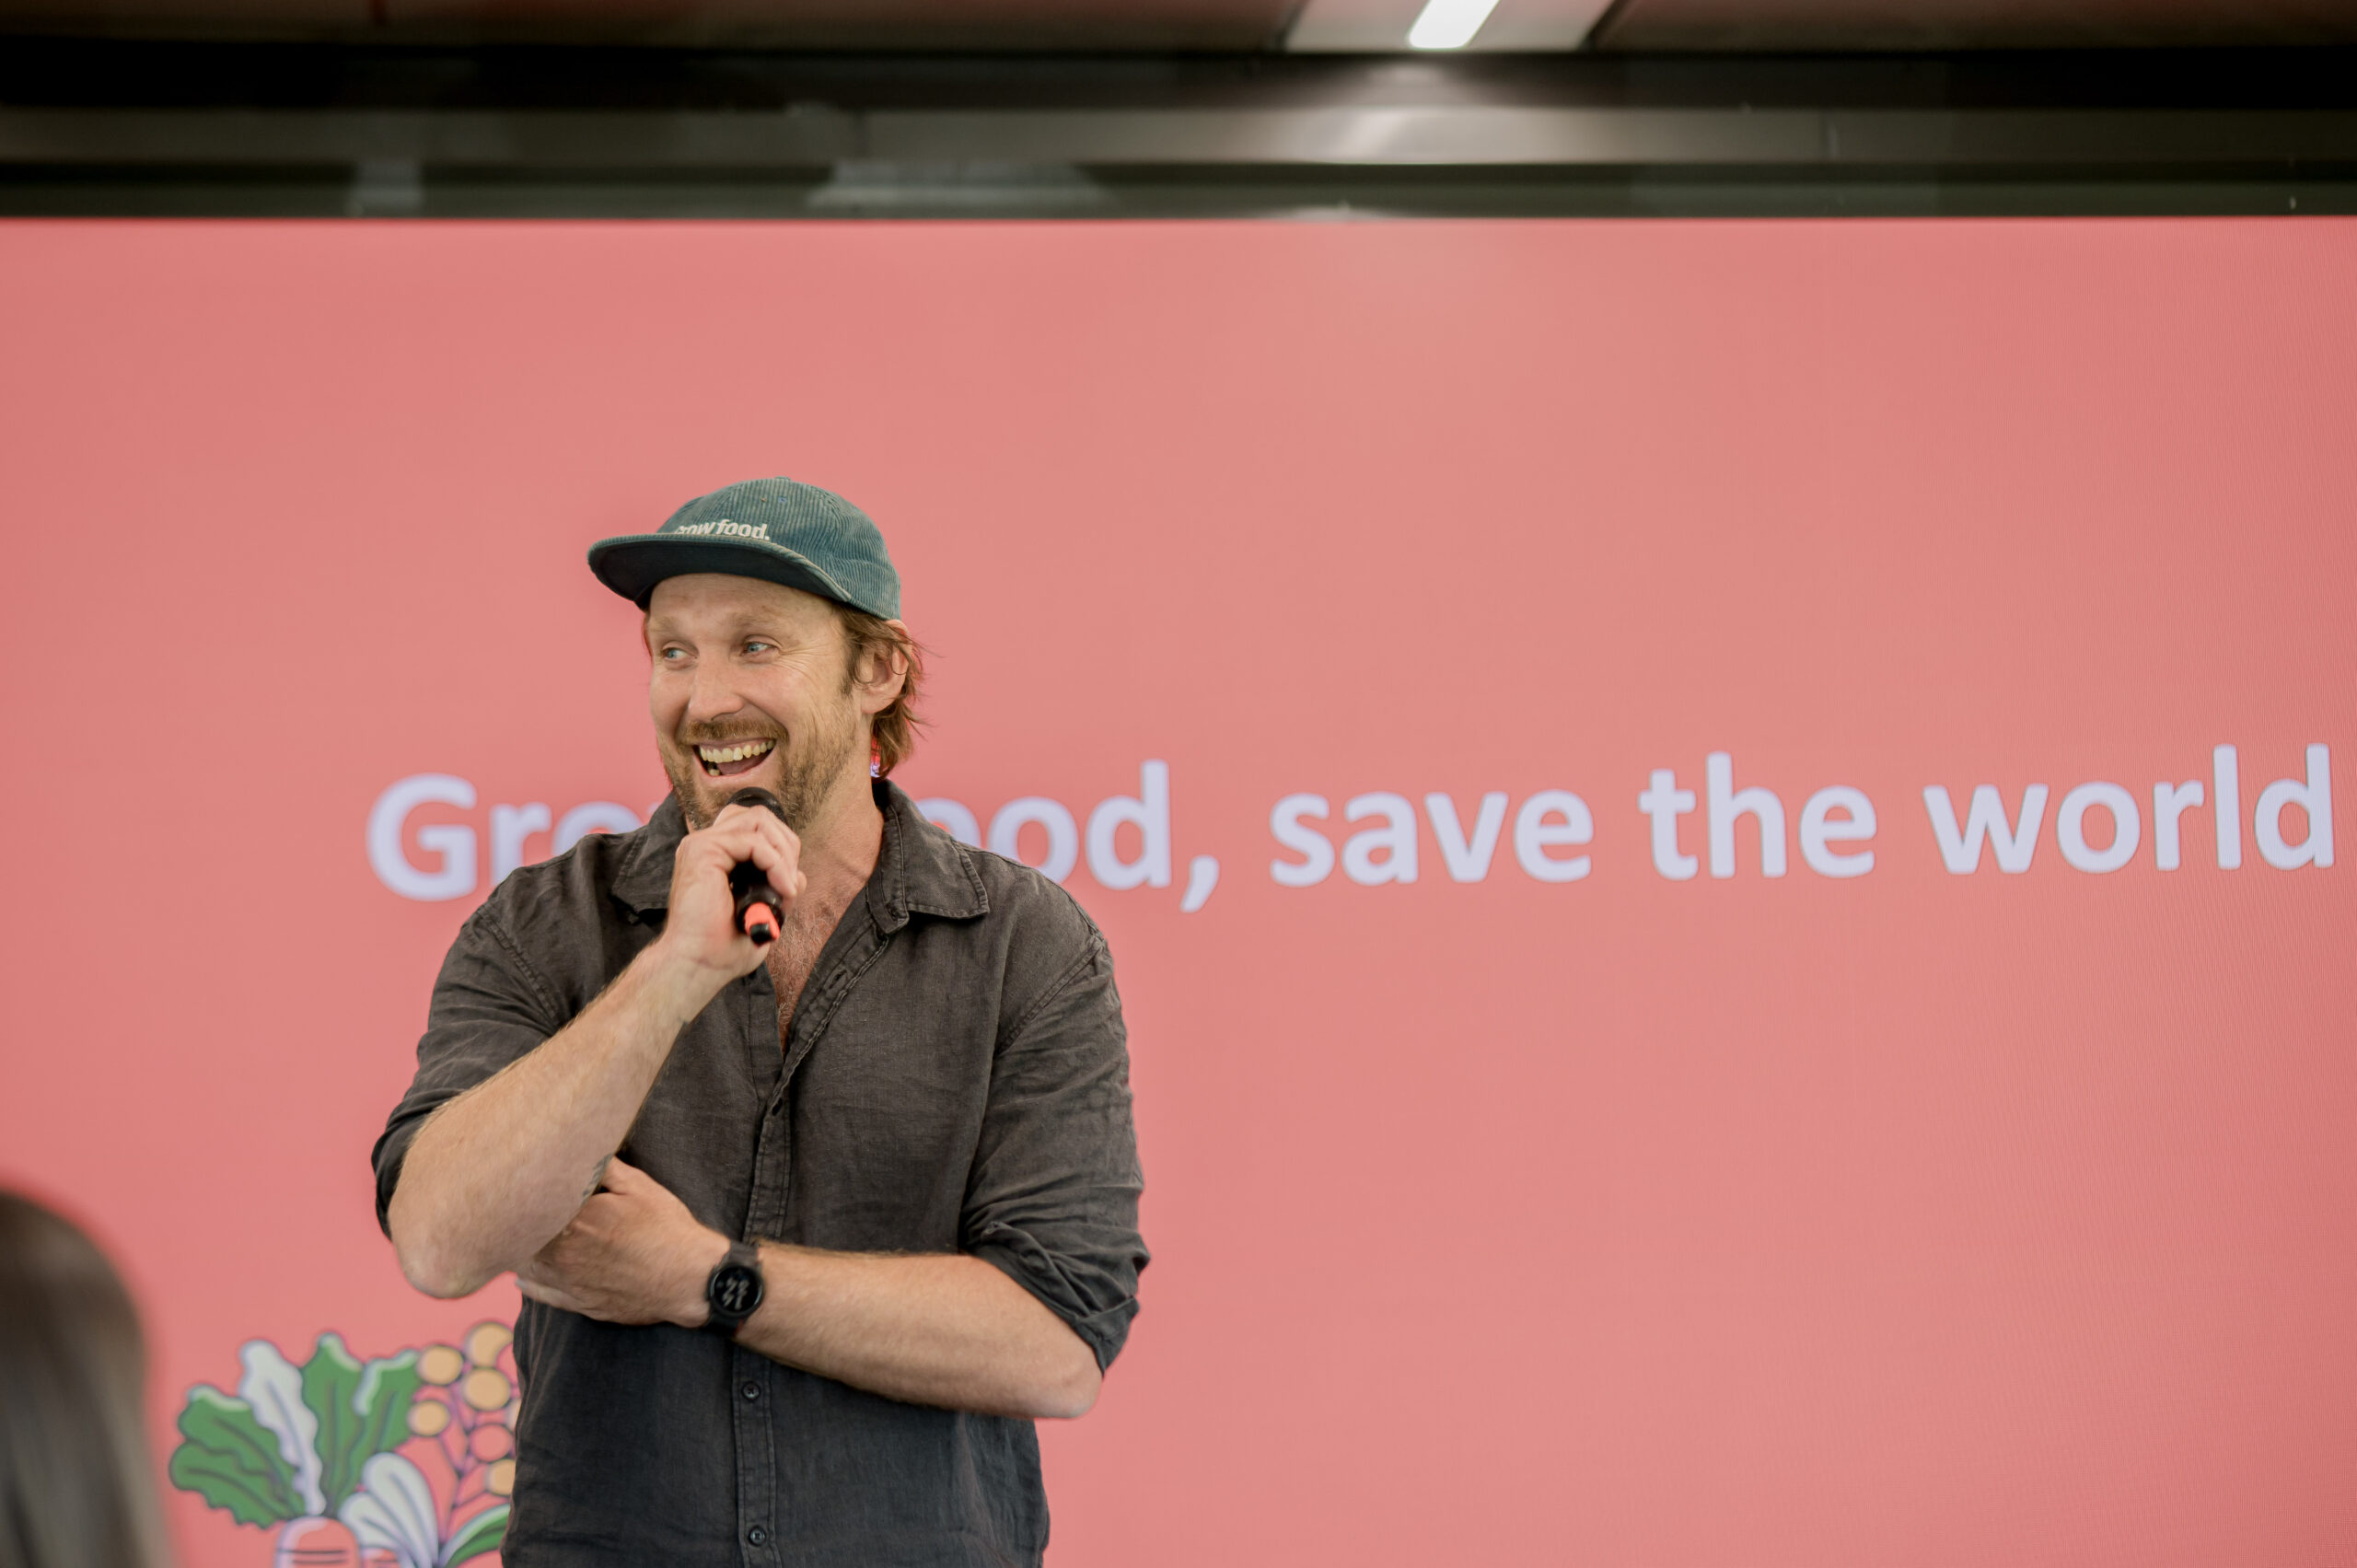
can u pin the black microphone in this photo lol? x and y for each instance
(759, 913)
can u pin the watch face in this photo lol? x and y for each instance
(735, 1290)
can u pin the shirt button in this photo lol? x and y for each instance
(757, 1535)
(752, 1390)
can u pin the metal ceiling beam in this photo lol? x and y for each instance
(116, 129)
(819, 135)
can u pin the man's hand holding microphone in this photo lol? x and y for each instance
(731, 884)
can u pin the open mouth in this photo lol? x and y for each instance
(726, 762)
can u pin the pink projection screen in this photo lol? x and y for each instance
(1752, 968)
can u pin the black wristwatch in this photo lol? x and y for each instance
(734, 1292)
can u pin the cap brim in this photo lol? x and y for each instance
(634, 563)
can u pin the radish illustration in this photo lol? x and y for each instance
(315, 1450)
(314, 1542)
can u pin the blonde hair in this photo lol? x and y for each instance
(894, 731)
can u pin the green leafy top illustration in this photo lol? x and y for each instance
(292, 1442)
(229, 1460)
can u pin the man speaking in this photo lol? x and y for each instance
(810, 1231)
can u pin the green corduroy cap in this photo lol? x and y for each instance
(780, 530)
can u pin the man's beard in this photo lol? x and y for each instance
(807, 771)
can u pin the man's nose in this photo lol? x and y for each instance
(712, 696)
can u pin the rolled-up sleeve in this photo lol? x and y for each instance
(490, 1007)
(1053, 1196)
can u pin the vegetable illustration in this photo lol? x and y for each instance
(335, 1454)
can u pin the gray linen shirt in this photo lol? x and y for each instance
(955, 1079)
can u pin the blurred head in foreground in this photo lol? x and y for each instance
(75, 1483)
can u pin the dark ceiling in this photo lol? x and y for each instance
(1874, 25)
(832, 109)
(1105, 26)
(1165, 26)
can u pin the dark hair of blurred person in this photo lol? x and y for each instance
(76, 1488)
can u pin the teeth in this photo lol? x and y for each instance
(736, 753)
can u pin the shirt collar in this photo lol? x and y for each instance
(920, 869)
(642, 880)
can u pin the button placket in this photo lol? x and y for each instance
(754, 1417)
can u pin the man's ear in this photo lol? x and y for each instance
(882, 672)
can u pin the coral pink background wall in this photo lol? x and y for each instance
(1913, 1216)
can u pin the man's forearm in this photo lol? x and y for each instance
(496, 1172)
(941, 1330)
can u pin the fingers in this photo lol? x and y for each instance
(593, 1224)
(634, 1201)
(745, 832)
(584, 1230)
(540, 1285)
(748, 825)
(548, 1265)
(741, 834)
(554, 1273)
(549, 1295)
(758, 835)
(777, 850)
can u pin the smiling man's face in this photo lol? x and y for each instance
(750, 683)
